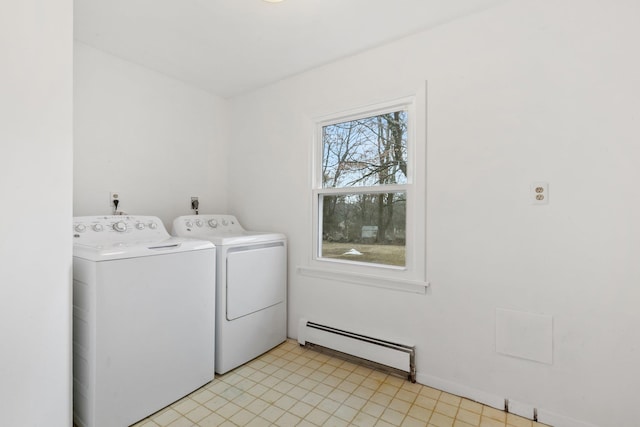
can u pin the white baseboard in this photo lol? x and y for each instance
(518, 408)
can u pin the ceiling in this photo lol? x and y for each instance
(230, 47)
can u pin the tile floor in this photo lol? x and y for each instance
(296, 386)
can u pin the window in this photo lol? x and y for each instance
(363, 188)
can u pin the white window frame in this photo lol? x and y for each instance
(412, 276)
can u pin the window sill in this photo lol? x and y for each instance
(402, 285)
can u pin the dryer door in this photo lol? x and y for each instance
(256, 278)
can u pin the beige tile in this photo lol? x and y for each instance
(458, 423)
(329, 405)
(212, 420)
(341, 373)
(297, 392)
(242, 417)
(202, 396)
(413, 422)
(440, 420)
(400, 405)
(355, 402)
(389, 389)
(420, 413)
(364, 420)
(345, 412)
(271, 396)
(185, 405)
(446, 409)
(516, 421)
(144, 423)
(335, 422)
(317, 416)
(257, 390)
(332, 381)
(373, 409)
(372, 383)
(198, 413)
(383, 423)
(272, 413)
(181, 422)
(338, 395)
(381, 399)
(491, 422)
(430, 392)
(166, 417)
(468, 417)
(450, 399)
(392, 416)
(216, 403)
(228, 410)
(496, 414)
(406, 395)
(287, 420)
(312, 398)
(355, 378)
(257, 406)
(285, 402)
(347, 386)
(301, 409)
(363, 392)
(425, 402)
(259, 422)
(472, 406)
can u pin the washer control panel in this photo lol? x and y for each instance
(203, 225)
(117, 227)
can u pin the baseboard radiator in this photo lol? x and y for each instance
(385, 354)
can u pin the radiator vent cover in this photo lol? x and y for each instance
(396, 356)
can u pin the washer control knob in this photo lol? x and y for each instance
(120, 226)
(225, 222)
(80, 228)
(140, 226)
(153, 225)
(97, 227)
(189, 224)
(212, 223)
(199, 222)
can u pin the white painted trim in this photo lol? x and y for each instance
(402, 285)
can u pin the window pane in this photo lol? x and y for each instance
(364, 227)
(365, 152)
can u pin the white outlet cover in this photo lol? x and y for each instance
(539, 193)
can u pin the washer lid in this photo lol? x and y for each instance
(130, 249)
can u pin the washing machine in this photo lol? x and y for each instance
(251, 286)
(143, 318)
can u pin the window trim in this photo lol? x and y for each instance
(408, 278)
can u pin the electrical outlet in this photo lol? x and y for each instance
(194, 203)
(114, 195)
(539, 193)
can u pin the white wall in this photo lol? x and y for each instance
(155, 140)
(35, 231)
(528, 91)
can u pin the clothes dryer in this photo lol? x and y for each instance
(143, 318)
(251, 286)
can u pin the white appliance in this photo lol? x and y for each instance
(143, 318)
(251, 287)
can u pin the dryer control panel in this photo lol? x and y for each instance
(203, 225)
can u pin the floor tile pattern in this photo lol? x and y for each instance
(296, 386)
